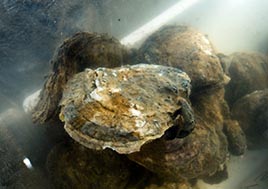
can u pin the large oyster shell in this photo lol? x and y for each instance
(83, 50)
(125, 107)
(187, 49)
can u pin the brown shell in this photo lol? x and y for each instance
(251, 111)
(248, 72)
(198, 155)
(236, 137)
(71, 165)
(125, 107)
(83, 50)
(187, 49)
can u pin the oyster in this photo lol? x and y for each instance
(236, 137)
(199, 155)
(71, 165)
(187, 49)
(126, 107)
(203, 153)
(83, 50)
(251, 111)
(248, 72)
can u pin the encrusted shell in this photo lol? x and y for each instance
(200, 154)
(123, 108)
(82, 50)
(187, 49)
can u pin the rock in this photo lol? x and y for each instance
(187, 49)
(248, 72)
(83, 50)
(236, 137)
(251, 111)
(71, 165)
(126, 107)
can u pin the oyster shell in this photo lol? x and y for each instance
(83, 50)
(236, 137)
(251, 111)
(126, 107)
(71, 165)
(199, 155)
(248, 72)
(187, 49)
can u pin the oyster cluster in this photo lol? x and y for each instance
(246, 95)
(168, 115)
(204, 152)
